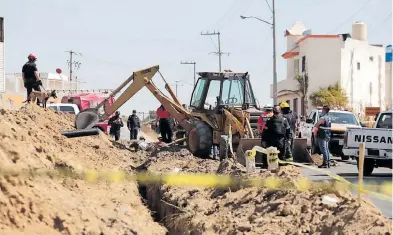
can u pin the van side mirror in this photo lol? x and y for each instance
(309, 120)
(363, 124)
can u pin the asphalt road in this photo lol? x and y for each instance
(349, 171)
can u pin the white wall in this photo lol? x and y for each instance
(388, 85)
(322, 63)
(357, 82)
(2, 68)
(291, 97)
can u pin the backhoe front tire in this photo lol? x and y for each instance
(200, 140)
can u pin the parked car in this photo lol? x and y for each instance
(341, 120)
(378, 143)
(67, 108)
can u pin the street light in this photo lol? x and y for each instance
(273, 24)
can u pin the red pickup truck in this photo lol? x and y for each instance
(90, 100)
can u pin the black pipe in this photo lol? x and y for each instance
(81, 133)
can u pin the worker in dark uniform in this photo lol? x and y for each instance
(116, 124)
(276, 131)
(163, 119)
(133, 125)
(31, 79)
(323, 131)
(292, 120)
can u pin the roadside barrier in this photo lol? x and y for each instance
(381, 191)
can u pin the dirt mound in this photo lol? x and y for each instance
(30, 139)
(239, 210)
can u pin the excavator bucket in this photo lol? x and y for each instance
(247, 144)
(300, 151)
(87, 119)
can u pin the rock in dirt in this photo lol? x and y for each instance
(31, 139)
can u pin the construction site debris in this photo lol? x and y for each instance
(238, 210)
(31, 139)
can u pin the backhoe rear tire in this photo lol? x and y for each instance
(200, 140)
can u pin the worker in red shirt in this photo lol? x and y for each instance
(163, 119)
(268, 112)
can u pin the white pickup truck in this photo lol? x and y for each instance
(378, 143)
(341, 120)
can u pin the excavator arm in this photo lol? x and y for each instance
(139, 79)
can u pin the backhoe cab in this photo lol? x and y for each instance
(224, 104)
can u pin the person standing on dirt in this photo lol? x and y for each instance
(292, 120)
(163, 119)
(31, 78)
(322, 130)
(133, 125)
(116, 124)
(276, 131)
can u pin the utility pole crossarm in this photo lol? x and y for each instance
(219, 52)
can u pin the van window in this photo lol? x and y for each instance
(53, 107)
(68, 109)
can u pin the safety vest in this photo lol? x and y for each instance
(324, 130)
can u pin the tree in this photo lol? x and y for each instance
(303, 87)
(333, 96)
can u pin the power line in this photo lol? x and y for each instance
(219, 52)
(380, 24)
(350, 18)
(267, 3)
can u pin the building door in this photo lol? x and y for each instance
(295, 106)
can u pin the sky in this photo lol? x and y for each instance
(118, 37)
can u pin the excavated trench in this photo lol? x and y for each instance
(190, 210)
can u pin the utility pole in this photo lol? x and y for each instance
(273, 24)
(219, 52)
(193, 63)
(71, 63)
(274, 54)
(176, 85)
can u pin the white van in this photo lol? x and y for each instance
(68, 108)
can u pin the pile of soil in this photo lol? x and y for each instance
(239, 210)
(31, 139)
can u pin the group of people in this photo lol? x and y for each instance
(277, 128)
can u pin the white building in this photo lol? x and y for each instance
(2, 66)
(330, 59)
(388, 78)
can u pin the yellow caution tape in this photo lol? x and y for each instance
(382, 191)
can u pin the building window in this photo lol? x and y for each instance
(358, 65)
(295, 106)
(303, 63)
(302, 111)
(296, 66)
(371, 58)
(1, 29)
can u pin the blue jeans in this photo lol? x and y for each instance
(215, 150)
(324, 148)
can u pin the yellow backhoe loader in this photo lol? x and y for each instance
(221, 107)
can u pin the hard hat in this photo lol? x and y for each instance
(117, 113)
(134, 111)
(32, 57)
(268, 107)
(284, 105)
